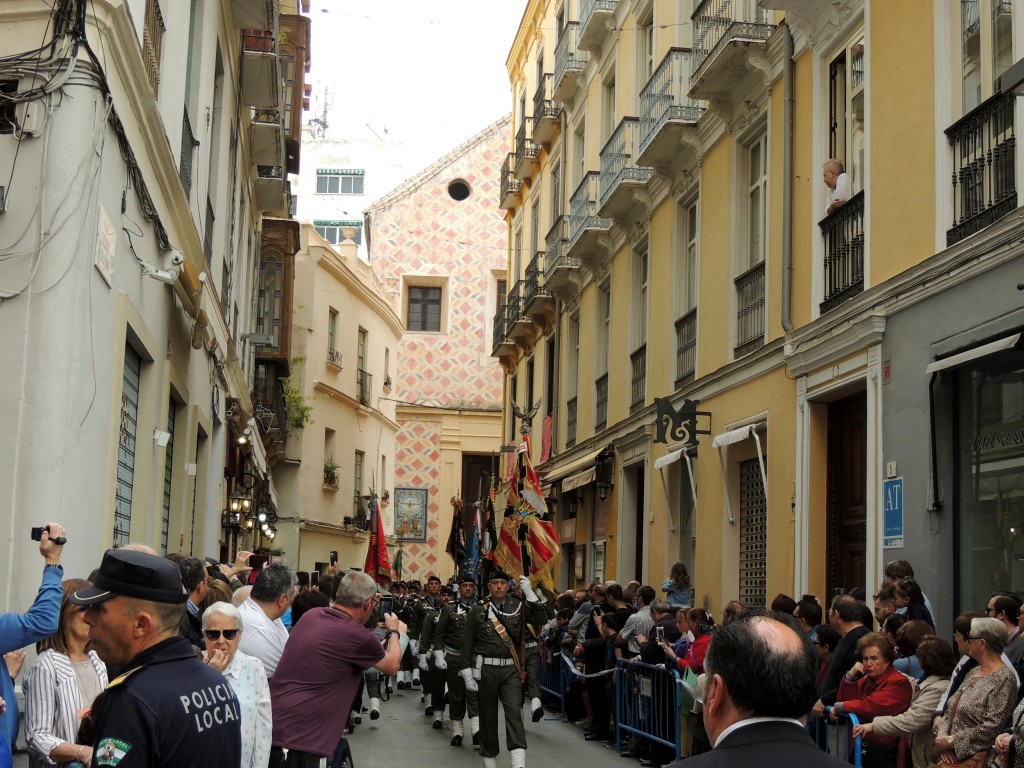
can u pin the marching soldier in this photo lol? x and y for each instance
(409, 675)
(492, 663)
(447, 648)
(433, 679)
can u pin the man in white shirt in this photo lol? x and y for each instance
(265, 634)
(761, 675)
(834, 176)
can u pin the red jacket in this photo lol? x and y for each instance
(868, 697)
(694, 658)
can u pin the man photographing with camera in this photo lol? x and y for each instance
(38, 622)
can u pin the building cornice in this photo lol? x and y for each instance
(334, 265)
(361, 410)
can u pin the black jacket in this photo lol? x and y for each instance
(766, 745)
(168, 709)
(844, 657)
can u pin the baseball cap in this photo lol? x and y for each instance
(133, 574)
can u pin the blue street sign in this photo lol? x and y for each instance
(892, 536)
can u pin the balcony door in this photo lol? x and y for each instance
(846, 495)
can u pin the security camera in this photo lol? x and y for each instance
(169, 276)
(175, 257)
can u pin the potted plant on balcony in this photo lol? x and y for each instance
(331, 474)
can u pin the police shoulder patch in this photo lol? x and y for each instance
(111, 751)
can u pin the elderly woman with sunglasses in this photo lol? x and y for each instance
(981, 708)
(222, 629)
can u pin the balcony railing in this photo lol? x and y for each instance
(534, 288)
(717, 22)
(686, 347)
(545, 109)
(638, 378)
(569, 60)
(750, 310)
(570, 423)
(498, 333)
(601, 402)
(592, 15)
(618, 158)
(509, 183)
(526, 150)
(268, 404)
(188, 151)
(583, 208)
(514, 305)
(984, 157)
(334, 356)
(665, 97)
(364, 380)
(843, 231)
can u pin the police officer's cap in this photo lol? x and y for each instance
(497, 573)
(133, 574)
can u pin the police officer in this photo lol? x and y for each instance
(433, 679)
(492, 662)
(447, 648)
(167, 708)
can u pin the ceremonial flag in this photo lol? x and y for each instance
(398, 564)
(546, 431)
(472, 562)
(378, 562)
(456, 547)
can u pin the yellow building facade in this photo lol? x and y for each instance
(669, 241)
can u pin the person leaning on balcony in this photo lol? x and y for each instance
(834, 176)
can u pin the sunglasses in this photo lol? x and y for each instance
(214, 634)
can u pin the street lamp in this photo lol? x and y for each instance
(604, 471)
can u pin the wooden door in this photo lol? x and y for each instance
(846, 494)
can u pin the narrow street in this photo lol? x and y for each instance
(403, 738)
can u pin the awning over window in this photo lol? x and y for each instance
(667, 460)
(973, 354)
(571, 467)
(732, 437)
(580, 479)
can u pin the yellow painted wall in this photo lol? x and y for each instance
(776, 178)
(714, 313)
(901, 198)
(808, 189)
(661, 281)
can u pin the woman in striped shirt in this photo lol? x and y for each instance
(60, 687)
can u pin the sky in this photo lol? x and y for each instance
(429, 75)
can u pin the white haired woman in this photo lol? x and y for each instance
(222, 629)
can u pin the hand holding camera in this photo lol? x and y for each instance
(51, 541)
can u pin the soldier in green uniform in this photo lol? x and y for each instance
(409, 675)
(492, 651)
(433, 679)
(447, 648)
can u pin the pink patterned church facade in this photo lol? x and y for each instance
(447, 387)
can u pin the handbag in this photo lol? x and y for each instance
(977, 760)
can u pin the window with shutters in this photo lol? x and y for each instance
(165, 516)
(753, 535)
(130, 379)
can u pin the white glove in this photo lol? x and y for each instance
(415, 645)
(467, 675)
(423, 662)
(528, 593)
(439, 662)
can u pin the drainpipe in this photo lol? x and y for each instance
(787, 179)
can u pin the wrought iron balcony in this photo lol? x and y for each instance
(570, 422)
(561, 271)
(620, 175)
(266, 137)
(570, 62)
(725, 32)
(364, 381)
(526, 150)
(750, 310)
(686, 347)
(537, 300)
(666, 109)
(601, 402)
(585, 225)
(509, 183)
(638, 378)
(334, 357)
(984, 158)
(271, 189)
(502, 346)
(188, 153)
(517, 323)
(843, 231)
(595, 18)
(268, 404)
(545, 110)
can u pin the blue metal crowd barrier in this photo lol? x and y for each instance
(647, 703)
(552, 677)
(837, 739)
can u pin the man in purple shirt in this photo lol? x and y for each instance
(316, 680)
